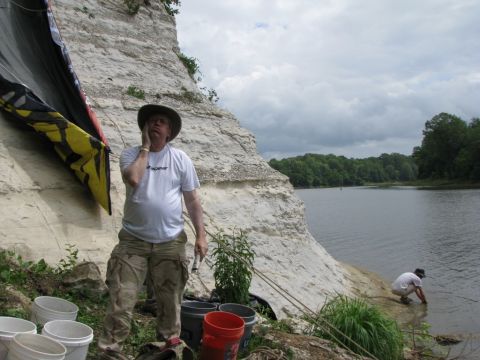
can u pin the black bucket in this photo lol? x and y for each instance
(192, 315)
(247, 314)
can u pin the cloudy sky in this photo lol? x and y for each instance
(348, 77)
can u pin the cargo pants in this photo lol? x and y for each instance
(129, 263)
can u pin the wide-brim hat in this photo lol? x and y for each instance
(420, 272)
(152, 109)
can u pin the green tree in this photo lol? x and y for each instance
(407, 171)
(443, 138)
(469, 159)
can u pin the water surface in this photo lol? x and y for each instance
(393, 230)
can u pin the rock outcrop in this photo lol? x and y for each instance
(44, 208)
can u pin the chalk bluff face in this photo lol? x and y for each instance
(239, 189)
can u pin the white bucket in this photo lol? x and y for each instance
(74, 335)
(47, 308)
(9, 327)
(35, 347)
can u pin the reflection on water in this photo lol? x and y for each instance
(390, 231)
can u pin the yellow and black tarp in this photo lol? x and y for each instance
(39, 88)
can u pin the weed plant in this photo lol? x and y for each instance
(361, 327)
(233, 259)
(132, 6)
(259, 341)
(211, 94)
(190, 96)
(190, 63)
(169, 6)
(86, 11)
(136, 92)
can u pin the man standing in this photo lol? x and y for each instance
(152, 238)
(407, 283)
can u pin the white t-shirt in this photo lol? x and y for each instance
(153, 210)
(406, 279)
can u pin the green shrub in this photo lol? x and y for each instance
(132, 6)
(190, 63)
(169, 8)
(366, 325)
(142, 332)
(18, 313)
(211, 94)
(16, 271)
(11, 268)
(190, 96)
(233, 259)
(86, 11)
(67, 264)
(136, 92)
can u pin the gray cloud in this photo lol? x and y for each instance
(344, 77)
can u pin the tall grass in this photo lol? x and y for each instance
(366, 325)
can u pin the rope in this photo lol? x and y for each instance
(95, 102)
(13, 75)
(27, 9)
(304, 309)
(208, 262)
(265, 353)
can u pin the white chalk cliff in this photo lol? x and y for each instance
(43, 207)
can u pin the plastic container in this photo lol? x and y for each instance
(222, 332)
(47, 308)
(35, 347)
(192, 314)
(9, 327)
(247, 314)
(74, 335)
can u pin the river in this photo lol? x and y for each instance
(393, 230)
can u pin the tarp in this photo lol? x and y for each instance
(39, 88)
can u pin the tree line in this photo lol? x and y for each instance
(450, 149)
(314, 170)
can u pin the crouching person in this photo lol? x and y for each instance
(408, 283)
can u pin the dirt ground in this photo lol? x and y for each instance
(308, 347)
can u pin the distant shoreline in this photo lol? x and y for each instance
(419, 184)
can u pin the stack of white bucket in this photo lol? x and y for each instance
(62, 337)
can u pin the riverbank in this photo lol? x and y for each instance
(429, 184)
(424, 184)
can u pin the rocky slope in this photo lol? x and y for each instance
(44, 208)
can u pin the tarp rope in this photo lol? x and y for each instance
(265, 353)
(27, 9)
(304, 309)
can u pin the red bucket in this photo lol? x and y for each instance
(222, 332)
